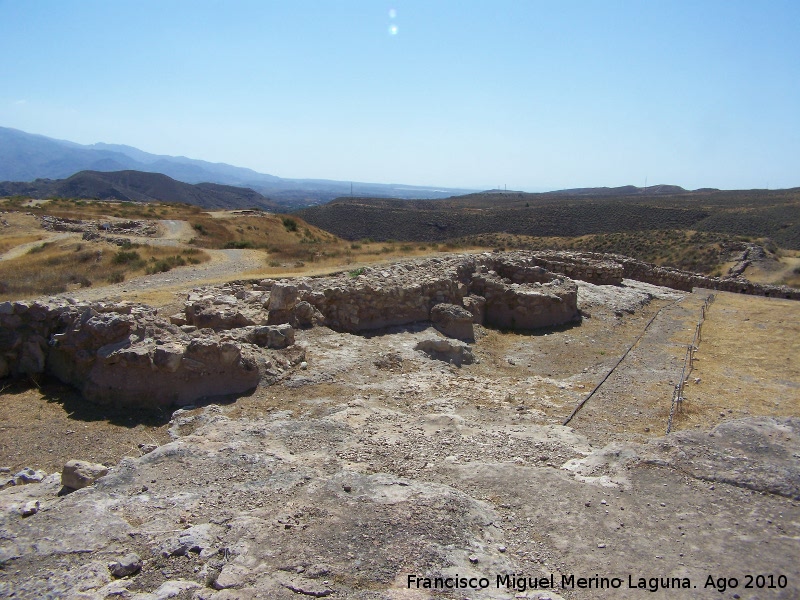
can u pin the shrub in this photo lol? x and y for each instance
(124, 257)
(290, 224)
(239, 245)
(39, 248)
(165, 264)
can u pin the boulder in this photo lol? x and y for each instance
(216, 314)
(28, 475)
(453, 351)
(283, 296)
(305, 315)
(272, 336)
(476, 305)
(127, 565)
(32, 358)
(79, 474)
(30, 508)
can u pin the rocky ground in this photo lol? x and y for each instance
(374, 466)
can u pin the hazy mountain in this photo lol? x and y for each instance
(140, 187)
(628, 190)
(25, 157)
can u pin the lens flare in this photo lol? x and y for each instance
(392, 13)
(392, 29)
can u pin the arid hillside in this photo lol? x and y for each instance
(756, 213)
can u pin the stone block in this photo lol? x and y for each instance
(453, 321)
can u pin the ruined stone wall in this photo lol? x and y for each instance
(682, 280)
(526, 306)
(610, 269)
(596, 269)
(517, 293)
(125, 354)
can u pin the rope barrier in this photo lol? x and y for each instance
(688, 362)
(602, 381)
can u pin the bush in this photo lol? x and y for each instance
(124, 257)
(39, 248)
(165, 264)
(239, 245)
(290, 224)
(81, 280)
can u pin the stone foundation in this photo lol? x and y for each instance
(125, 354)
(230, 337)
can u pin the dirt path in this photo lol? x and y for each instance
(776, 273)
(223, 266)
(173, 229)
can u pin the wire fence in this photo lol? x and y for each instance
(688, 363)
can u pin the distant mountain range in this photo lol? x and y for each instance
(139, 187)
(26, 157)
(628, 190)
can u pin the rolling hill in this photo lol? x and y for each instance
(139, 187)
(757, 213)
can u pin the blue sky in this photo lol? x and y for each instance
(529, 94)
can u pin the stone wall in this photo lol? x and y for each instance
(526, 306)
(592, 267)
(610, 269)
(517, 293)
(596, 269)
(125, 354)
(230, 337)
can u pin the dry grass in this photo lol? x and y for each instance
(747, 361)
(12, 241)
(17, 228)
(52, 268)
(95, 209)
